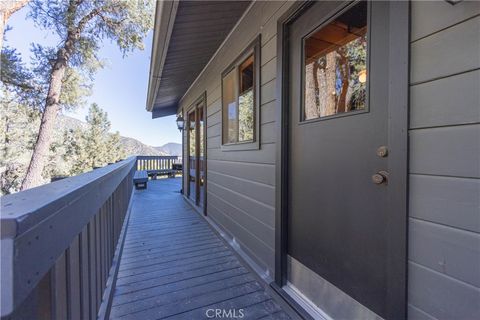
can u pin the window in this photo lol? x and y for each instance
(335, 66)
(239, 99)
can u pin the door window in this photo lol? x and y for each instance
(335, 66)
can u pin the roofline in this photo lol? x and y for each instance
(165, 13)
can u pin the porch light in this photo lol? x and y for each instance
(362, 76)
(180, 123)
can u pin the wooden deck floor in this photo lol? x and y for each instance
(174, 266)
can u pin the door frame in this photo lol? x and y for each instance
(189, 189)
(202, 99)
(398, 105)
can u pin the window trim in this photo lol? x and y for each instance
(254, 48)
(325, 22)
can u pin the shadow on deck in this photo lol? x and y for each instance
(175, 266)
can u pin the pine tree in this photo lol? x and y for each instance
(17, 137)
(81, 26)
(7, 8)
(93, 147)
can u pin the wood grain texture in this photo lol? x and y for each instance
(174, 266)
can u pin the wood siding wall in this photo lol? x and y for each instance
(444, 222)
(241, 184)
(444, 137)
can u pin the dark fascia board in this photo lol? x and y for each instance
(164, 111)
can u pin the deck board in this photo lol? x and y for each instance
(174, 266)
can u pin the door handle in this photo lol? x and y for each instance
(381, 177)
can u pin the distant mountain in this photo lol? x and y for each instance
(135, 147)
(171, 148)
(132, 146)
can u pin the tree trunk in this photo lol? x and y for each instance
(7, 8)
(311, 92)
(33, 176)
(330, 79)
(345, 74)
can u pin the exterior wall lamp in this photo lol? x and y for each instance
(180, 123)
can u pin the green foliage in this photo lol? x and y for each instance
(80, 27)
(16, 77)
(73, 152)
(125, 22)
(93, 147)
(245, 116)
(17, 137)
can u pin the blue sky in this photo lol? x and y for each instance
(120, 88)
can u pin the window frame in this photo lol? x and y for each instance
(302, 120)
(253, 48)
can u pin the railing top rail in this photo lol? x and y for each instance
(25, 209)
(39, 224)
(157, 157)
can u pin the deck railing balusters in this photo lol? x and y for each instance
(155, 164)
(58, 243)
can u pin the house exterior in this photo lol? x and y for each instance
(335, 145)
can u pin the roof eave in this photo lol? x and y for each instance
(165, 14)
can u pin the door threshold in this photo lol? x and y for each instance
(305, 303)
(198, 209)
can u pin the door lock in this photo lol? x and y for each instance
(380, 177)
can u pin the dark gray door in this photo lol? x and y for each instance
(338, 184)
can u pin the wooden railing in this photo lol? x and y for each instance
(156, 163)
(58, 244)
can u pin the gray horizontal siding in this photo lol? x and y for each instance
(444, 192)
(263, 173)
(441, 15)
(260, 192)
(454, 50)
(445, 249)
(450, 151)
(257, 209)
(257, 229)
(440, 296)
(241, 184)
(445, 200)
(253, 247)
(448, 101)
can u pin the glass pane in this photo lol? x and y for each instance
(246, 75)
(245, 101)
(191, 155)
(336, 65)
(245, 116)
(230, 112)
(201, 161)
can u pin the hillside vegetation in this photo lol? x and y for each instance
(77, 146)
